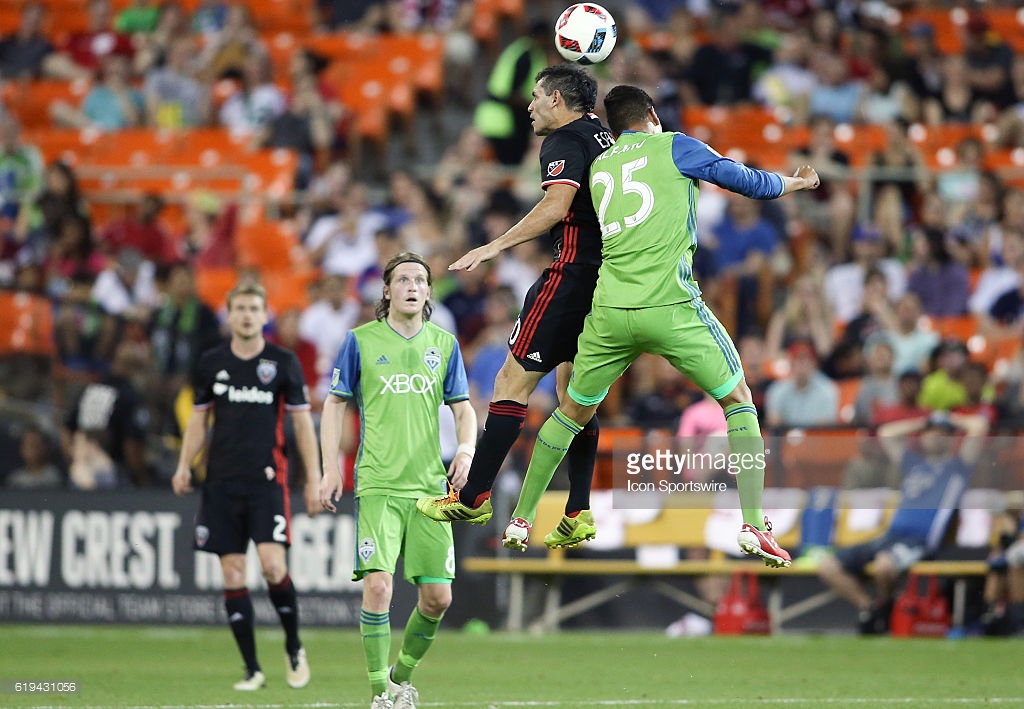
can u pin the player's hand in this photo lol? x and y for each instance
(181, 483)
(809, 176)
(474, 258)
(330, 490)
(458, 471)
(311, 494)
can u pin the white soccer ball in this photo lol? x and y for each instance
(585, 33)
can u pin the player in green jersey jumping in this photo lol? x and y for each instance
(645, 192)
(398, 370)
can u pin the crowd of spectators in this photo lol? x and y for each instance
(851, 283)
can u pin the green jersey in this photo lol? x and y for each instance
(399, 384)
(645, 190)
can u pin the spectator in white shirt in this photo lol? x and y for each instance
(326, 322)
(344, 243)
(844, 284)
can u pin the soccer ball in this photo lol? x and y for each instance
(585, 33)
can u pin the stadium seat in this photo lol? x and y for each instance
(26, 324)
(30, 101)
(268, 246)
(817, 457)
(603, 469)
(213, 284)
(848, 390)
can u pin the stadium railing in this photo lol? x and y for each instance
(682, 529)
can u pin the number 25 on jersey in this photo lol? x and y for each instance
(627, 185)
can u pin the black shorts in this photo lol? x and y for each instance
(233, 512)
(551, 321)
(905, 551)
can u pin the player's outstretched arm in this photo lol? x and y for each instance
(331, 423)
(805, 178)
(191, 444)
(465, 432)
(550, 210)
(305, 434)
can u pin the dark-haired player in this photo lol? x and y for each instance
(645, 191)
(247, 384)
(544, 335)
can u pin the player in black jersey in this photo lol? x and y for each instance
(247, 384)
(544, 336)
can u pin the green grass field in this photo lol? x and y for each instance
(184, 667)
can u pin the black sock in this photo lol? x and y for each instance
(282, 595)
(505, 420)
(240, 617)
(582, 456)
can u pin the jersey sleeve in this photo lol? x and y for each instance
(456, 386)
(700, 161)
(296, 394)
(563, 161)
(346, 372)
(202, 382)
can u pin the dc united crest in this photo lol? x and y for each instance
(266, 370)
(202, 535)
(432, 357)
(367, 548)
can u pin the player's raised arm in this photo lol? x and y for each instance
(551, 209)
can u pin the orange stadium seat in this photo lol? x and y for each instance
(603, 469)
(343, 46)
(270, 173)
(213, 284)
(26, 324)
(848, 391)
(30, 101)
(268, 246)
(287, 289)
(71, 146)
(813, 458)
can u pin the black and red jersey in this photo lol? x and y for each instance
(565, 157)
(248, 398)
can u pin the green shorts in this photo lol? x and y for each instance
(687, 334)
(391, 527)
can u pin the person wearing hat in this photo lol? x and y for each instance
(935, 474)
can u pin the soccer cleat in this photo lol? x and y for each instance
(572, 531)
(762, 543)
(297, 669)
(875, 620)
(517, 534)
(253, 681)
(382, 702)
(405, 694)
(450, 509)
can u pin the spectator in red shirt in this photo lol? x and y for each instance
(140, 230)
(210, 236)
(286, 334)
(909, 387)
(86, 49)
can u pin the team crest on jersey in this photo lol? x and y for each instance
(432, 357)
(367, 548)
(555, 168)
(202, 535)
(266, 370)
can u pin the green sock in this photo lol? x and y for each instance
(553, 441)
(419, 634)
(376, 631)
(747, 446)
